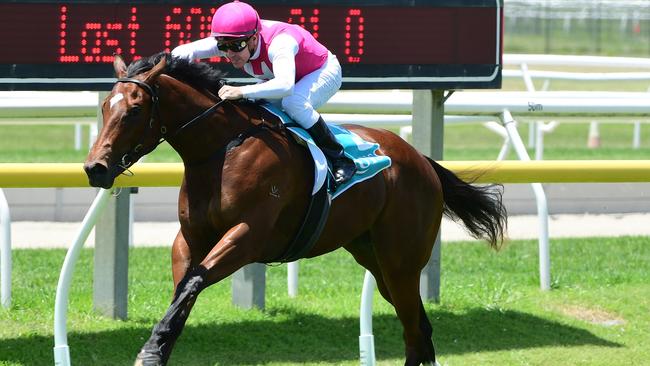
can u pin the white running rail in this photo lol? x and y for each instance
(5, 252)
(366, 339)
(61, 349)
(540, 197)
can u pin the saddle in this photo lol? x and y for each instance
(368, 163)
(362, 152)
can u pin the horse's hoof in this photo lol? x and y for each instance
(148, 358)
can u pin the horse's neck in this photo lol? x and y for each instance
(207, 137)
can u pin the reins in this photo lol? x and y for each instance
(127, 159)
(203, 114)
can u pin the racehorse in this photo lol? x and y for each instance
(246, 188)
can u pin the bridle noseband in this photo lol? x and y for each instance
(128, 159)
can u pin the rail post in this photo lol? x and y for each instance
(110, 277)
(249, 285)
(111, 262)
(428, 131)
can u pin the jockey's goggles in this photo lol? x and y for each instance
(236, 45)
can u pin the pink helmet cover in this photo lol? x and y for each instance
(236, 20)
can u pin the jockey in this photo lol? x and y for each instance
(294, 68)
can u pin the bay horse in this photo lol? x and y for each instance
(246, 188)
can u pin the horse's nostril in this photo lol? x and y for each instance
(95, 169)
(98, 175)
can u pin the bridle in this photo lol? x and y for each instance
(129, 158)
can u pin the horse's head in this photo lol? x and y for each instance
(131, 124)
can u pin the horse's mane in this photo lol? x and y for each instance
(199, 75)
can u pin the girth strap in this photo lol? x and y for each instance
(311, 228)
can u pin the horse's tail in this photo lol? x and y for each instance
(479, 207)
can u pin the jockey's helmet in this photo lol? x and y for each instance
(235, 20)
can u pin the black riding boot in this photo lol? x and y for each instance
(342, 166)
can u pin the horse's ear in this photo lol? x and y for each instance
(119, 66)
(156, 71)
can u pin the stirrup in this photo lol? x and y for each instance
(343, 169)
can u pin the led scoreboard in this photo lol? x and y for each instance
(432, 44)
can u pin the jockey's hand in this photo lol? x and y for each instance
(230, 92)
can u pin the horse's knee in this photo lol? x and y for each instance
(190, 285)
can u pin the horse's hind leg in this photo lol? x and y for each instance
(400, 287)
(364, 254)
(401, 255)
(404, 290)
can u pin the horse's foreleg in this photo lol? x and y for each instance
(157, 349)
(228, 255)
(182, 259)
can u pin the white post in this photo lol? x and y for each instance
(532, 133)
(623, 25)
(505, 149)
(366, 339)
(61, 349)
(530, 86)
(77, 136)
(567, 23)
(249, 286)
(92, 135)
(539, 141)
(542, 208)
(542, 128)
(5, 252)
(636, 139)
(547, 85)
(594, 136)
(292, 278)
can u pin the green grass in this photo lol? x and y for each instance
(492, 311)
(55, 143)
(517, 84)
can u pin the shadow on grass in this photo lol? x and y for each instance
(306, 338)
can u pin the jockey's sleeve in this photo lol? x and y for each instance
(203, 48)
(282, 54)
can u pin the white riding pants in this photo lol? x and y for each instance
(313, 91)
